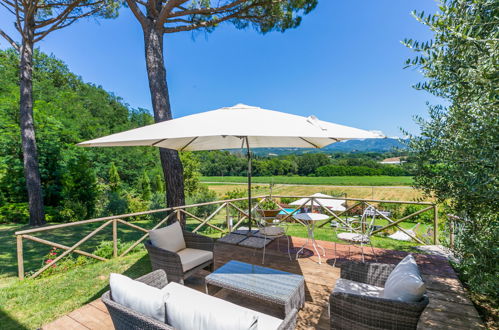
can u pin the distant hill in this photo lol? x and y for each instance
(374, 145)
(367, 145)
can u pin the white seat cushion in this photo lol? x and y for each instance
(191, 258)
(138, 296)
(352, 287)
(405, 283)
(353, 237)
(168, 238)
(189, 309)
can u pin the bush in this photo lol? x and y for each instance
(105, 248)
(237, 193)
(426, 217)
(287, 200)
(202, 195)
(339, 170)
(14, 212)
(394, 209)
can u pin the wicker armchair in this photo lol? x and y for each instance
(170, 261)
(125, 318)
(352, 311)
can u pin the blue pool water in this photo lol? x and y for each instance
(287, 210)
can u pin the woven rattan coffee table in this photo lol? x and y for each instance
(267, 284)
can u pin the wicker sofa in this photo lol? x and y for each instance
(171, 262)
(125, 318)
(354, 311)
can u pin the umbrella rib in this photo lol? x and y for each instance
(309, 143)
(158, 142)
(188, 143)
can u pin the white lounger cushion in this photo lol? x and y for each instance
(138, 296)
(191, 258)
(405, 282)
(352, 287)
(169, 238)
(188, 309)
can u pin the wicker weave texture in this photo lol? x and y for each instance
(350, 311)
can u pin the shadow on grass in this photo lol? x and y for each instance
(7, 322)
(141, 267)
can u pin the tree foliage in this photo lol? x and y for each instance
(78, 183)
(224, 163)
(457, 153)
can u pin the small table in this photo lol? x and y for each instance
(309, 219)
(267, 284)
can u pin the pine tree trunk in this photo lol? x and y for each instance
(156, 72)
(30, 153)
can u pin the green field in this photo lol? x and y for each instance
(330, 180)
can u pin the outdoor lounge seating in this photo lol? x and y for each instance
(378, 296)
(187, 309)
(178, 252)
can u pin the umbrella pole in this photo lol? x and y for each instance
(249, 185)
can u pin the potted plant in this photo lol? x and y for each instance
(269, 208)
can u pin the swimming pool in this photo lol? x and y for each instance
(287, 210)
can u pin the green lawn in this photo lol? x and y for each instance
(331, 180)
(31, 303)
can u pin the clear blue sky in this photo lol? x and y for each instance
(344, 64)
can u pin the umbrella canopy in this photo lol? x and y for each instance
(332, 204)
(239, 126)
(235, 127)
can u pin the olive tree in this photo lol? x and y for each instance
(457, 155)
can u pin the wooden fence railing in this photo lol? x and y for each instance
(227, 205)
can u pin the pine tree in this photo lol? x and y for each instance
(114, 178)
(158, 184)
(145, 187)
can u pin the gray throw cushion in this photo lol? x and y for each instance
(169, 238)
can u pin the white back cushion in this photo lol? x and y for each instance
(138, 296)
(405, 282)
(189, 309)
(168, 238)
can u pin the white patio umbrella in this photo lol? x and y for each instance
(332, 204)
(239, 126)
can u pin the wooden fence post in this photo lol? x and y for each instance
(20, 258)
(435, 224)
(115, 238)
(451, 236)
